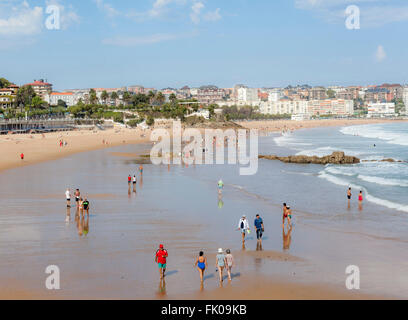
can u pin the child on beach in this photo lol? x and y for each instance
(230, 263)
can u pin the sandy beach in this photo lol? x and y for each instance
(125, 228)
(37, 147)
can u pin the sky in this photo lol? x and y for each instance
(172, 43)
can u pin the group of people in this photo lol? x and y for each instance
(133, 180)
(82, 204)
(360, 198)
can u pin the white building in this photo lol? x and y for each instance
(381, 109)
(306, 108)
(405, 98)
(274, 95)
(284, 106)
(54, 97)
(248, 96)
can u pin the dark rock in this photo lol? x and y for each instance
(337, 157)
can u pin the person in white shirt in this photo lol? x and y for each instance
(68, 196)
(243, 225)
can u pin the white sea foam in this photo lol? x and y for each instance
(377, 132)
(340, 171)
(386, 203)
(384, 181)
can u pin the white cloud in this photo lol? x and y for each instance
(144, 40)
(22, 20)
(380, 54)
(196, 12)
(107, 8)
(213, 16)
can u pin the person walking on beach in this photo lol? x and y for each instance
(134, 183)
(22, 156)
(230, 263)
(220, 186)
(161, 260)
(259, 227)
(86, 206)
(129, 180)
(77, 196)
(349, 196)
(285, 215)
(220, 263)
(141, 170)
(243, 225)
(201, 264)
(68, 197)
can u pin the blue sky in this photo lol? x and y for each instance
(161, 43)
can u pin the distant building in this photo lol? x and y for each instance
(40, 87)
(318, 93)
(405, 98)
(55, 97)
(381, 109)
(210, 95)
(331, 107)
(8, 96)
(248, 96)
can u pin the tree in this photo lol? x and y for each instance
(173, 98)
(25, 96)
(151, 96)
(126, 97)
(104, 96)
(114, 96)
(331, 94)
(150, 121)
(160, 98)
(93, 99)
(4, 83)
(61, 103)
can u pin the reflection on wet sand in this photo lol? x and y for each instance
(259, 246)
(287, 238)
(68, 215)
(161, 293)
(82, 224)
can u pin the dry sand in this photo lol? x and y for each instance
(38, 147)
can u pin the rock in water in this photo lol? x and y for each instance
(337, 157)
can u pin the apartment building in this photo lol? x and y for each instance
(41, 88)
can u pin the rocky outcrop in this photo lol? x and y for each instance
(337, 157)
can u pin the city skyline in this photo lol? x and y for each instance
(172, 43)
